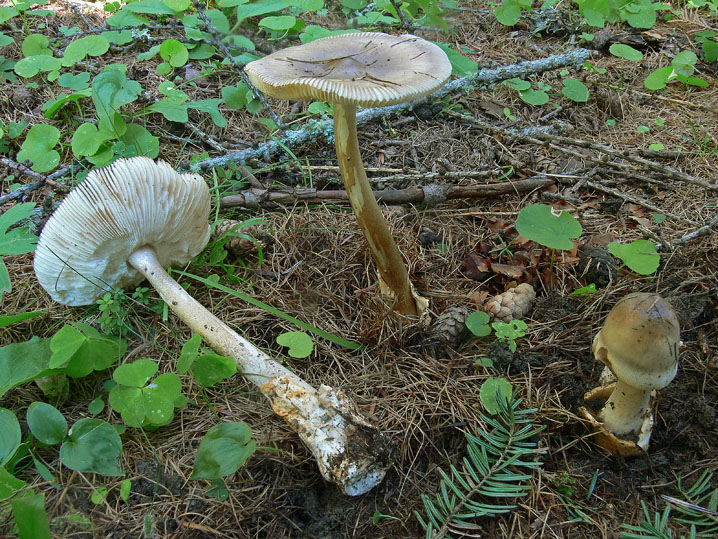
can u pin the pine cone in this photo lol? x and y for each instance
(450, 326)
(241, 246)
(513, 304)
(597, 266)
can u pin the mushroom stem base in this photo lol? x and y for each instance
(349, 450)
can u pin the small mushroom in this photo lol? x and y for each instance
(639, 343)
(129, 221)
(359, 69)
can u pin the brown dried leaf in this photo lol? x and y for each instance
(508, 269)
(476, 267)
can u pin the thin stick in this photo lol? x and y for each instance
(434, 193)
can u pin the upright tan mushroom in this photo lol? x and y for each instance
(361, 69)
(639, 343)
(129, 221)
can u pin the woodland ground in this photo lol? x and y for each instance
(422, 397)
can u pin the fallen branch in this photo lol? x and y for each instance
(324, 128)
(431, 194)
(39, 180)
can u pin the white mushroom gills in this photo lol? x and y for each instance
(345, 445)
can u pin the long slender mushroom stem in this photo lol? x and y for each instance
(386, 254)
(345, 445)
(625, 409)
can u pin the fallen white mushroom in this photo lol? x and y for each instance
(129, 221)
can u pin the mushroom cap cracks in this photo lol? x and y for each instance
(639, 341)
(83, 249)
(368, 69)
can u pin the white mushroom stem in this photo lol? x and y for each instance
(383, 248)
(341, 440)
(625, 409)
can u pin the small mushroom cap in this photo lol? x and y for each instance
(639, 341)
(83, 249)
(368, 69)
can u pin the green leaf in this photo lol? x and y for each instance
(130, 402)
(235, 97)
(534, 97)
(97, 353)
(77, 82)
(178, 5)
(38, 147)
(491, 391)
(211, 107)
(19, 240)
(10, 319)
(35, 45)
(508, 13)
(29, 513)
(710, 49)
(539, 223)
(64, 344)
(51, 107)
(150, 7)
(83, 47)
(209, 369)
(659, 78)
(641, 14)
(575, 90)
(300, 344)
(11, 435)
(125, 488)
(86, 140)
(517, 84)
(96, 406)
(23, 362)
(171, 110)
(32, 65)
(174, 52)
(460, 65)
(135, 374)
(46, 423)
(319, 107)
(684, 63)
(261, 7)
(278, 23)
(140, 141)
(6, 40)
(640, 255)
(223, 450)
(94, 446)
(478, 323)
(110, 91)
(7, 13)
(626, 52)
(189, 352)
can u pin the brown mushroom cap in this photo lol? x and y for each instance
(132, 203)
(639, 341)
(367, 69)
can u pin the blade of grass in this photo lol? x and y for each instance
(351, 345)
(10, 319)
